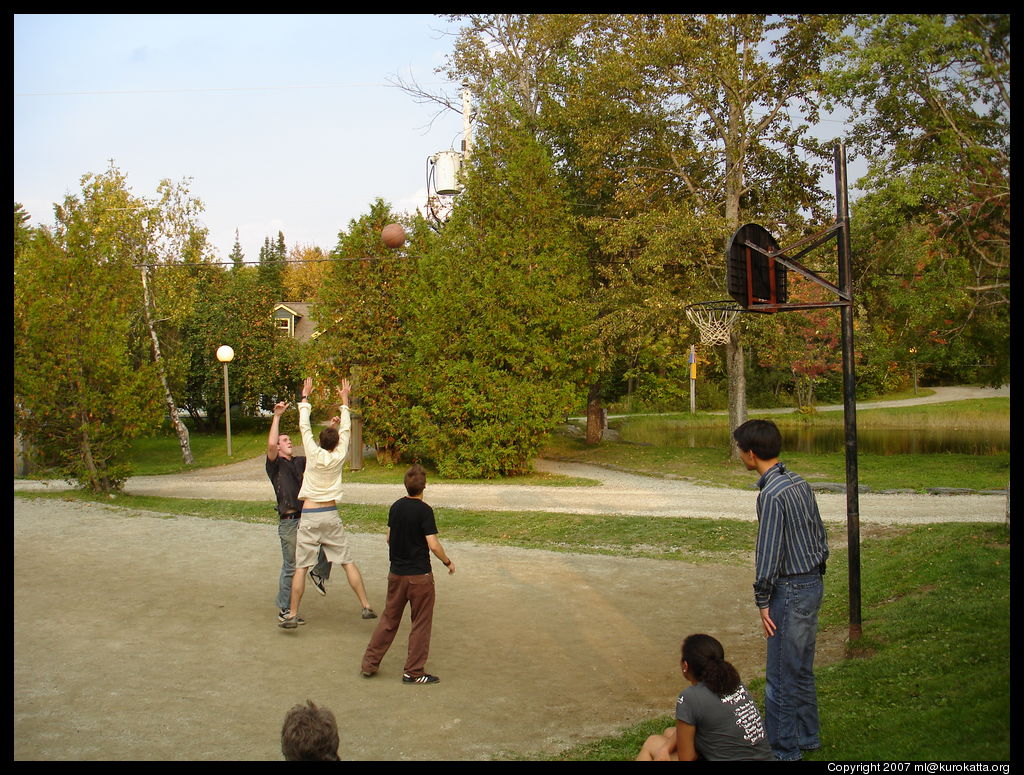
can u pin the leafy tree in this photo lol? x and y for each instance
(806, 343)
(739, 85)
(670, 130)
(177, 245)
(84, 384)
(237, 312)
(930, 99)
(363, 305)
(305, 273)
(498, 313)
(915, 297)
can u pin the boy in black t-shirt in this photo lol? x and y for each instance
(411, 537)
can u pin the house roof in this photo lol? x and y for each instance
(303, 323)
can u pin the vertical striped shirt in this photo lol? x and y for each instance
(790, 536)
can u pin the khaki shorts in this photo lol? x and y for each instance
(321, 527)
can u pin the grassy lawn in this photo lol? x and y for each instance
(912, 471)
(158, 455)
(929, 679)
(693, 540)
(161, 454)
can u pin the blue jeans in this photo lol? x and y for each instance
(790, 698)
(287, 531)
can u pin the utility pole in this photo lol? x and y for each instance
(467, 120)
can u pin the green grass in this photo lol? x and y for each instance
(158, 455)
(712, 466)
(879, 472)
(981, 413)
(986, 413)
(161, 454)
(930, 677)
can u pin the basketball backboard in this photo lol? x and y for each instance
(752, 277)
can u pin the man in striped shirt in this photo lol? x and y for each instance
(790, 560)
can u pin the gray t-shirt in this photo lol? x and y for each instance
(729, 728)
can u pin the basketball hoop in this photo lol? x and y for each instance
(714, 319)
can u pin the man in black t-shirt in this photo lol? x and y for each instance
(411, 537)
(285, 473)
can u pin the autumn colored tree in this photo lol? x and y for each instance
(305, 273)
(805, 343)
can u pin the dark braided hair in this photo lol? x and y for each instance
(706, 659)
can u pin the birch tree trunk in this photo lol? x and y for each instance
(172, 410)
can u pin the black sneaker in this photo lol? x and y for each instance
(318, 582)
(426, 678)
(369, 614)
(289, 623)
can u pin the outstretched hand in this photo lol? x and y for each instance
(279, 408)
(307, 386)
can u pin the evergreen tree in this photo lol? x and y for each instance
(498, 314)
(362, 308)
(237, 256)
(272, 262)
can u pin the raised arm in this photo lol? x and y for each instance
(308, 442)
(275, 430)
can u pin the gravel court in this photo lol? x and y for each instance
(154, 638)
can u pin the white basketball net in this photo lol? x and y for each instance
(714, 323)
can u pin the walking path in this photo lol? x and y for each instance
(618, 492)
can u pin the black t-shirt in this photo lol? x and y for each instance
(286, 476)
(411, 521)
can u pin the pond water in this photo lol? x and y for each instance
(875, 441)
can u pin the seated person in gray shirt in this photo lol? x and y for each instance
(716, 719)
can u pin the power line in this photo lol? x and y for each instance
(282, 261)
(203, 89)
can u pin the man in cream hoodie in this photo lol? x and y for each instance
(319, 525)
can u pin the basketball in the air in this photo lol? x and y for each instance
(393, 235)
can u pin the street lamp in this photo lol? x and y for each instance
(225, 355)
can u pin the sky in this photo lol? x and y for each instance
(283, 122)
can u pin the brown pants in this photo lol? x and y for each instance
(418, 592)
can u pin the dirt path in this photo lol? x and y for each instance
(618, 493)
